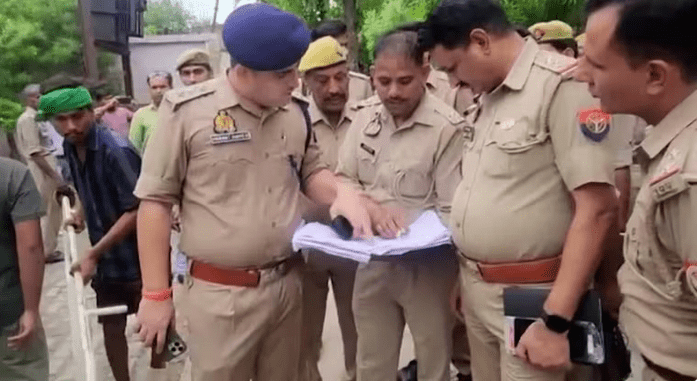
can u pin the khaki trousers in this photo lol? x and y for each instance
(413, 289)
(51, 222)
(461, 349)
(243, 333)
(319, 269)
(30, 364)
(483, 303)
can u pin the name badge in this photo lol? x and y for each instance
(667, 185)
(233, 137)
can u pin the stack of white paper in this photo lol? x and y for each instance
(426, 232)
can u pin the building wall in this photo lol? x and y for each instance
(160, 53)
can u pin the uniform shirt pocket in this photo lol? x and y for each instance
(231, 165)
(412, 183)
(516, 147)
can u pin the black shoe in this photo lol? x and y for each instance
(408, 373)
(461, 377)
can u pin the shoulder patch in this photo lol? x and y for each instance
(553, 61)
(594, 124)
(181, 96)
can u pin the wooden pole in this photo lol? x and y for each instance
(127, 74)
(89, 50)
(215, 16)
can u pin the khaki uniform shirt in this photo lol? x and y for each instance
(359, 87)
(527, 152)
(415, 165)
(438, 84)
(240, 201)
(659, 309)
(329, 138)
(28, 139)
(28, 136)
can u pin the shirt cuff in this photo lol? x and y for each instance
(157, 189)
(585, 165)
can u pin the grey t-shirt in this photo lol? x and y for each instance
(19, 201)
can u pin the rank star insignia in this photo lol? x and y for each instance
(595, 124)
(223, 123)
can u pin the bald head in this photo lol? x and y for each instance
(30, 95)
(400, 43)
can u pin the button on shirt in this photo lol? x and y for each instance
(330, 138)
(240, 199)
(105, 183)
(526, 154)
(415, 166)
(659, 308)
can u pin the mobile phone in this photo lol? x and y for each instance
(124, 100)
(174, 347)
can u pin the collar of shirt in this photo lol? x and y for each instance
(31, 112)
(421, 115)
(516, 78)
(226, 97)
(152, 107)
(677, 120)
(316, 115)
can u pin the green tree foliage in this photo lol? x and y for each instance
(376, 17)
(391, 14)
(37, 38)
(312, 11)
(529, 12)
(170, 17)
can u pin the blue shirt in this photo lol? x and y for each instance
(105, 184)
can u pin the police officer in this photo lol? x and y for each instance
(536, 200)
(359, 84)
(461, 99)
(555, 36)
(403, 150)
(325, 73)
(236, 153)
(194, 66)
(636, 63)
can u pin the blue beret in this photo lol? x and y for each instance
(264, 38)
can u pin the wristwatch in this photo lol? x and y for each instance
(555, 323)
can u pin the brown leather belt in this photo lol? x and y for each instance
(237, 277)
(667, 373)
(528, 272)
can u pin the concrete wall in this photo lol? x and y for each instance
(160, 53)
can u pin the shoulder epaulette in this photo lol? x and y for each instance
(553, 62)
(181, 96)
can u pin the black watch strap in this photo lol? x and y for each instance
(556, 323)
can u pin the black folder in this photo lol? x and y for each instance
(523, 305)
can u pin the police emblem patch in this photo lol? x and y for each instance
(226, 131)
(595, 124)
(223, 123)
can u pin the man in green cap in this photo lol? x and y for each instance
(105, 168)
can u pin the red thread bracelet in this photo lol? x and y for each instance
(158, 296)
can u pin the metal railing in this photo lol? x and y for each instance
(82, 343)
